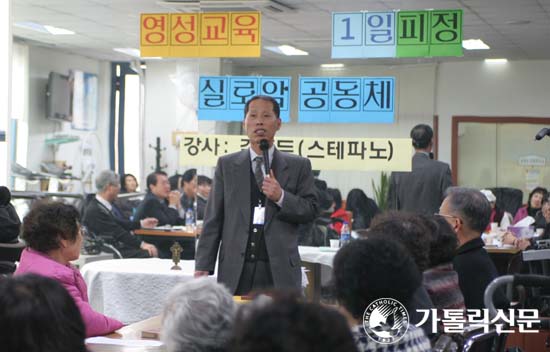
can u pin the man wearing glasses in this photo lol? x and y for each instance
(468, 211)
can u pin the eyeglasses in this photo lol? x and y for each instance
(448, 216)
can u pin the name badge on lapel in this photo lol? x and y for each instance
(259, 215)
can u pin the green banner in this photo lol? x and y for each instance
(412, 34)
(446, 33)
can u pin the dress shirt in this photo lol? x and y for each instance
(104, 202)
(253, 156)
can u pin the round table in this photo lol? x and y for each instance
(131, 290)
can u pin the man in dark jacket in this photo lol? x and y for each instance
(468, 211)
(100, 217)
(422, 189)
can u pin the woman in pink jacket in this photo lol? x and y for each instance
(54, 238)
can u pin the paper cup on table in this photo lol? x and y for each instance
(494, 226)
(334, 243)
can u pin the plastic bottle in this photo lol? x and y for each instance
(189, 217)
(345, 234)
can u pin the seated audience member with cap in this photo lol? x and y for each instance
(164, 205)
(198, 316)
(499, 216)
(284, 324)
(100, 218)
(9, 220)
(53, 235)
(38, 315)
(378, 267)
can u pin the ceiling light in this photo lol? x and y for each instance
(37, 27)
(332, 66)
(128, 51)
(474, 44)
(496, 61)
(32, 26)
(287, 50)
(58, 31)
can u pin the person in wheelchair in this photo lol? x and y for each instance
(100, 218)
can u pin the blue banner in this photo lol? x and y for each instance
(346, 99)
(223, 98)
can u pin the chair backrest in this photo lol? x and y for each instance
(11, 252)
(508, 199)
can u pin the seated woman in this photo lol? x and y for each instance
(38, 315)
(440, 279)
(53, 236)
(339, 214)
(127, 205)
(362, 207)
(534, 204)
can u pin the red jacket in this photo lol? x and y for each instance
(340, 213)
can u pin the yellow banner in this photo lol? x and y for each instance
(362, 154)
(208, 34)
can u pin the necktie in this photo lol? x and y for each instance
(258, 174)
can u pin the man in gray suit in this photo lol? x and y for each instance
(421, 190)
(255, 215)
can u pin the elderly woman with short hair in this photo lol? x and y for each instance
(53, 235)
(198, 317)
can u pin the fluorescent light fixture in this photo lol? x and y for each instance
(32, 26)
(287, 50)
(128, 51)
(58, 31)
(474, 44)
(37, 27)
(332, 66)
(496, 61)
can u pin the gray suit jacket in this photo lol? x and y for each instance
(227, 219)
(421, 190)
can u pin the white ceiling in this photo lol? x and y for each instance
(514, 29)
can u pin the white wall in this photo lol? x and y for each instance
(41, 62)
(414, 104)
(516, 89)
(5, 72)
(171, 89)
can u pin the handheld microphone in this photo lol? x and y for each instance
(264, 146)
(542, 133)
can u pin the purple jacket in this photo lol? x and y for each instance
(38, 263)
(521, 214)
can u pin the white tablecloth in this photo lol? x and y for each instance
(320, 255)
(131, 290)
